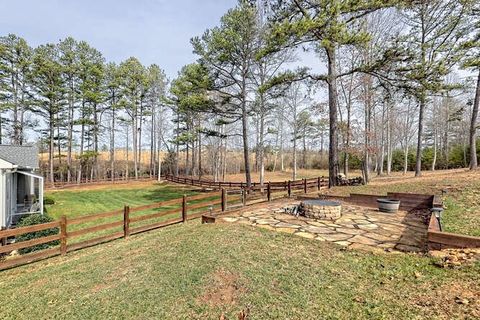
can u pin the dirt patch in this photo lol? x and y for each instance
(448, 301)
(224, 288)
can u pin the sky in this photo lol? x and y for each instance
(154, 31)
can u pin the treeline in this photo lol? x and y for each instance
(80, 104)
(373, 85)
(393, 73)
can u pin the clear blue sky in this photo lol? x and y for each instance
(154, 31)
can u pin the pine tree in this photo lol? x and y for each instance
(15, 65)
(327, 26)
(229, 52)
(48, 87)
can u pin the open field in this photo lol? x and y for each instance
(460, 190)
(201, 271)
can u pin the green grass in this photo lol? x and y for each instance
(74, 203)
(198, 271)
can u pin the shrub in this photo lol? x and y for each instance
(35, 219)
(48, 201)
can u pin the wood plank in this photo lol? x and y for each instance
(202, 196)
(94, 241)
(156, 205)
(29, 258)
(155, 215)
(155, 225)
(77, 233)
(22, 230)
(453, 240)
(203, 204)
(96, 216)
(25, 244)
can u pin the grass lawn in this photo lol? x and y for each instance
(460, 189)
(198, 271)
(105, 198)
(83, 201)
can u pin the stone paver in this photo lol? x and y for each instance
(358, 228)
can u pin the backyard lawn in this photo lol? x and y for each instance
(78, 202)
(195, 271)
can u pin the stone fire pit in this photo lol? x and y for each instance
(321, 209)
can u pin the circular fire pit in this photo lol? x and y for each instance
(321, 209)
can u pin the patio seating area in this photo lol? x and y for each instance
(358, 227)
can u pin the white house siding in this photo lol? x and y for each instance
(3, 205)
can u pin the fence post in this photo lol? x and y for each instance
(305, 185)
(244, 197)
(269, 195)
(318, 183)
(63, 235)
(126, 221)
(289, 188)
(184, 208)
(224, 200)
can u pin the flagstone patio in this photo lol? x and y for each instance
(357, 228)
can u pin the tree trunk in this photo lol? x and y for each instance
(246, 156)
(51, 146)
(473, 127)
(177, 146)
(434, 161)
(127, 169)
(140, 129)
(112, 144)
(248, 178)
(333, 110)
(418, 164)
(294, 156)
(347, 142)
(82, 134)
(152, 144)
(261, 147)
(70, 130)
(405, 160)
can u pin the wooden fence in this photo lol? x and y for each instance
(255, 186)
(72, 184)
(128, 221)
(116, 224)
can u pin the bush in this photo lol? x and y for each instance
(48, 201)
(35, 219)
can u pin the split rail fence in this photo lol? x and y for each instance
(80, 232)
(288, 186)
(89, 230)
